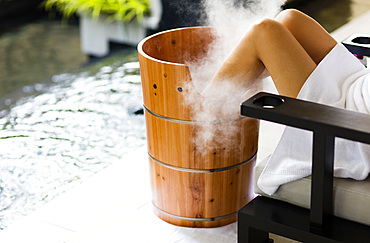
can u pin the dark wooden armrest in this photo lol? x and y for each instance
(309, 116)
(358, 44)
(326, 123)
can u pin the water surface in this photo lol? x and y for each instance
(67, 130)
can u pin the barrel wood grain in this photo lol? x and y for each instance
(200, 195)
(164, 75)
(176, 144)
(185, 197)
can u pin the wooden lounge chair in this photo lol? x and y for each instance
(336, 210)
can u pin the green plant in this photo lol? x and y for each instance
(123, 10)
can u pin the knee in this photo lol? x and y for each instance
(266, 27)
(266, 24)
(290, 17)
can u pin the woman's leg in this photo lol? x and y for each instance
(311, 36)
(270, 44)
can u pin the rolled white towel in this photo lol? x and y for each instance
(339, 80)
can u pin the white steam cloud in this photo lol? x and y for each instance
(230, 20)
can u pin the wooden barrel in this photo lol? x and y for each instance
(189, 187)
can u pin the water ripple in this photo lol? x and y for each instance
(76, 127)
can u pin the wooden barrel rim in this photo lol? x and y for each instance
(144, 54)
(194, 219)
(214, 170)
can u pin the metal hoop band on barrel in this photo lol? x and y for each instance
(201, 170)
(190, 122)
(194, 219)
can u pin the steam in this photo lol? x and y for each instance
(230, 20)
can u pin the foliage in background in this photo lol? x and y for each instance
(122, 10)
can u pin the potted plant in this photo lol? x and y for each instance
(101, 21)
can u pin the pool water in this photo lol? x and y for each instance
(65, 131)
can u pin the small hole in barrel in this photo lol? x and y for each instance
(361, 40)
(179, 89)
(173, 42)
(268, 102)
(154, 86)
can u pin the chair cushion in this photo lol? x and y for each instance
(351, 197)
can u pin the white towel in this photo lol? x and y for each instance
(339, 80)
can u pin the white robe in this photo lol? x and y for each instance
(339, 80)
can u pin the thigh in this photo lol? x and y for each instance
(311, 35)
(268, 44)
(284, 57)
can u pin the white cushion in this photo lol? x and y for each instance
(351, 198)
